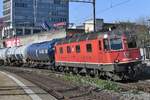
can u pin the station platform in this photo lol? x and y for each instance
(13, 87)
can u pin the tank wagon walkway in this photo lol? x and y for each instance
(13, 87)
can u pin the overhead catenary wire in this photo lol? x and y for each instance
(113, 6)
(108, 8)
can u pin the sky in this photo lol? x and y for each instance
(109, 10)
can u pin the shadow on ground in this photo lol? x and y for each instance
(145, 75)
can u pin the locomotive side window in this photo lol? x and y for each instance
(89, 47)
(106, 44)
(68, 49)
(100, 46)
(78, 49)
(61, 50)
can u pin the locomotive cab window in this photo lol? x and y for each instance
(106, 44)
(116, 43)
(132, 43)
(89, 47)
(68, 49)
(61, 50)
(78, 49)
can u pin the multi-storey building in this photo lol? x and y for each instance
(1, 27)
(23, 17)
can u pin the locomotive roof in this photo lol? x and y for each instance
(87, 36)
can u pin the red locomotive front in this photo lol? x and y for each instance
(110, 54)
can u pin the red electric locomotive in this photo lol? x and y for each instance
(108, 54)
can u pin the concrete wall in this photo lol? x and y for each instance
(89, 25)
(36, 38)
(42, 37)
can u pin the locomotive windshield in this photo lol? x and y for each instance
(132, 43)
(116, 44)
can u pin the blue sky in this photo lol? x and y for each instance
(131, 10)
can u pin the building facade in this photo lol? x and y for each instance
(23, 17)
(89, 25)
(1, 26)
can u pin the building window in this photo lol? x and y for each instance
(27, 32)
(56, 1)
(89, 47)
(6, 1)
(36, 31)
(61, 50)
(78, 49)
(68, 49)
(21, 5)
(19, 32)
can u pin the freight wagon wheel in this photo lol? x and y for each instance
(50, 68)
(66, 69)
(61, 69)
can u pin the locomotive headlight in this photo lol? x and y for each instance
(117, 61)
(105, 36)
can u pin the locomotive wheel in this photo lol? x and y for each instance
(92, 72)
(132, 74)
(112, 76)
(75, 71)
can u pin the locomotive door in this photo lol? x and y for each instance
(100, 51)
(106, 51)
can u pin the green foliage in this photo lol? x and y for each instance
(102, 84)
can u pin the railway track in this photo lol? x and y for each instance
(58, 88)
(63, 90)
(143, 86)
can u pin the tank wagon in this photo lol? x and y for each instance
(21, 54)
(10, 55)
(41, 53)
(3, 56)
(114, 56)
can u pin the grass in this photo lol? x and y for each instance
(102, 84)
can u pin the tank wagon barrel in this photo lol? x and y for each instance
(21, 54)
(3, 55)
(41, 53)
(10, 55)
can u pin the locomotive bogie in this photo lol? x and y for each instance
(114, 71)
